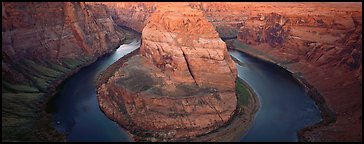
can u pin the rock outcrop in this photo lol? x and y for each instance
(320, 41)
(41, 44)
(184, 44)
(54, 32)
(133, 15)
(182, 85)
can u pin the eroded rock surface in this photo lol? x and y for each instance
(181, 85)
(320, 41)
(54, 32)
(42, 44)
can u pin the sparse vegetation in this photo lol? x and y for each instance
(20, 102)
(19, 115)
(242, 93)
(43, 70)
(16, 88)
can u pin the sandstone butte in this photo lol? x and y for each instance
(320, 43)
(181, 85)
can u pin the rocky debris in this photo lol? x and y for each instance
(181, 85)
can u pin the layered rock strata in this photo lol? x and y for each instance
(182, 85)
(42, 43)
(321, 42)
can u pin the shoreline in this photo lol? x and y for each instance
(53, 89)
(328, 115)
(238, 124)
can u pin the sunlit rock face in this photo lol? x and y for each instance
(181, 42)
(181, 85)
(321, 42)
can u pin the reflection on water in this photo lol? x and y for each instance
(75, 108)
(285, 107)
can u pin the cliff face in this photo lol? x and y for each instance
(187, 46)
(169, 92)
(42, 43)
(54, 32)
(131, 14)
(321, 42)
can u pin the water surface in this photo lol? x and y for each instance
(284, 106)
(75, 108)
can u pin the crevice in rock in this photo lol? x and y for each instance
(212, 107)
(188, 67)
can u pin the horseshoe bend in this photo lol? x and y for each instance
(183, 71)
(181, 85)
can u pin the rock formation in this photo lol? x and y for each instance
(181, 85)
(41, 44)
(131, 14)
(55, 32)
(319, 41)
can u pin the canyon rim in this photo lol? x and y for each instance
(181, 83)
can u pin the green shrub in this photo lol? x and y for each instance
(242, 93)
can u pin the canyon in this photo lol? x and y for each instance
(44, 43)
(166, 93)
(320, 43)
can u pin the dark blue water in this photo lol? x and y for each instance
(284, 106)
(75, 108)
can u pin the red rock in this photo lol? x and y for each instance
(154, 95)
(185, 45)
(55, 31)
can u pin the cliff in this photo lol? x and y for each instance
(131, 14)
(168, 92)
(319, 42)
(42, 43)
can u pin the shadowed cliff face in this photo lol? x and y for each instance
(54, 32)
(41, 44)
(131, 14)
(321, 42)
(181, 85)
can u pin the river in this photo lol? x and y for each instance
(284, 106)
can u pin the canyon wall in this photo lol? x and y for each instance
(318, 42)
(181, 85)
(133, 15)
(42, 43)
